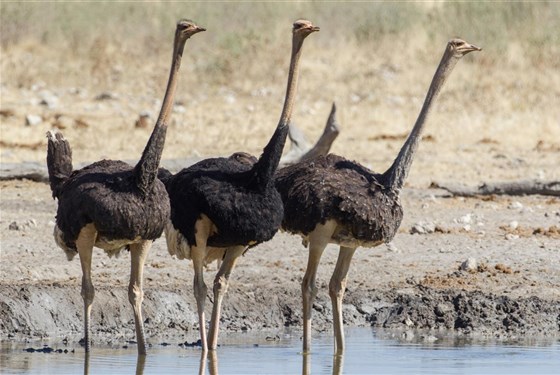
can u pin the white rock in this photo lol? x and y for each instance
(511, 236)
(423, 228)
(179, 109)
(33, 120)
(513, 225)
(469, 265)
(48, 99)
(466, 219)
(515, 205)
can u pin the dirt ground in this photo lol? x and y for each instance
(492, 123)
(415, 283)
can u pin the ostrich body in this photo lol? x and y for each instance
(113, 205)
(330, 199)
(220, 206)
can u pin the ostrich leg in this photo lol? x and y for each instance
(220, 288)
(318, 240)
(198, 256)
(84, 243)
(138, 253)
(200, 290)
(337, 286)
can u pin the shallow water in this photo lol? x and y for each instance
(368, 352)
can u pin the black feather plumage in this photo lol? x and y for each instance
(219, 188)
(332, 187)
(105, 194)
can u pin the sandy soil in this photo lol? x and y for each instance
(492, 123)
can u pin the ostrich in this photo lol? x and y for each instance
(333, 200)
(112, 205)
(220, 206)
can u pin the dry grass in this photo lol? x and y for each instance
(374, 59)
(242, 34)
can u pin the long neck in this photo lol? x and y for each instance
(264, 169)
(395, 176)
(147, 168)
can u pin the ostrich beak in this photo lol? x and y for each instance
(469, 48)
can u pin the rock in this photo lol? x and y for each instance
(417, 229)
(48, 99)
(513, 225)
(515, 205)
(33, 120)
(466, 219)
(14, 225)
(179, 108)
(423, 228)
(469, 265)
(511, 236)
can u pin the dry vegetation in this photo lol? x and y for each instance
(499, 111)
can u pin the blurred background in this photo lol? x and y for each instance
(93, 70)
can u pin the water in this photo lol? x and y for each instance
(368, 352)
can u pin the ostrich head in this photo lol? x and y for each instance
(459, 48)
(186, 29)
(304, 27)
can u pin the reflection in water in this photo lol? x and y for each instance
(365, 353)
(338, 364)
(140, 364)
(86, 363)
(212, 358)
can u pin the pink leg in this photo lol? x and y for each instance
(337, 287)
(318, 240)
(138, 254)
(220, 288)
(198, 256)
(200, 290)
(84, 243)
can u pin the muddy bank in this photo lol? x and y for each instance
(55, 312)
